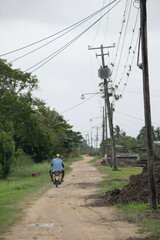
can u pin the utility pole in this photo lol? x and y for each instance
(96, 137)
(91, 140)
(97, 140)
(103, 147)
(107, 103)
(147, 113)
(88, 139)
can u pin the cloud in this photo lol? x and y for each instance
(74, 71)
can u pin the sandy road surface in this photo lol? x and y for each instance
(65, 213)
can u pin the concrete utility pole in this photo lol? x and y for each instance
(107, 103)
(97, 139)
(103, 147)
(88, 139)
(148, 125)
(91, 140)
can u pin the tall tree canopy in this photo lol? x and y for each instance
(28, 123)
(14, 80)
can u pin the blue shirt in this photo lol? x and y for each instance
(57, 165)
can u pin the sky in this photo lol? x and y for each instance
(74, 71)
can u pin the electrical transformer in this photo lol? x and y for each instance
(104, 73)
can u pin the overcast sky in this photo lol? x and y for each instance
(75, 70)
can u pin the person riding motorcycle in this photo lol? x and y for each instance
(57, 166)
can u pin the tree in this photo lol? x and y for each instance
(118, 132)
(14, 80)
(128, 142)
(72, 141)
(6, 152)
(35, 128)
(157, 134)
(142, 135)
(35, 141)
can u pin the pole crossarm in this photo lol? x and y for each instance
(91, 93)
(90, 48)
(100, 55)
(108, 106)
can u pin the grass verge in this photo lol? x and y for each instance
(147, 219)
(20, 187)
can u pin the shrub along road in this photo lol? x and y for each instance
(68, 212)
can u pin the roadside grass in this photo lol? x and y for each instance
(68, 162)
(148, 220)
(116, 179)
(20, 187)
(94, 160)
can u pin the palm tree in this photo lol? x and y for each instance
(142, 135)
(157, 133)
(118, 132)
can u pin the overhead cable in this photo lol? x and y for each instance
(72, 26)
(77, 105)
(123, 42)
(105, 34)
(134, 117)
(128, 74)
(57, 52)
(139, 93)
(120, 35)
(70, 29)
(98, 24)
(130, 48)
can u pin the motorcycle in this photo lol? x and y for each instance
(57, 180)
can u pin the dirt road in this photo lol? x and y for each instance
(66, 212)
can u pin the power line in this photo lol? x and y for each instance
(128, 74)
(140, 119)
(130, 47)
(106, 27)
(120, 35)
(98, 24)
(123, 42)
(130, 116)
(77, 105)
(51, 56)
(133, 92)
(72, 26)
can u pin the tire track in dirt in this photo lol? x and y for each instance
(66, 212)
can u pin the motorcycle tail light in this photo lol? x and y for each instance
(56, 174)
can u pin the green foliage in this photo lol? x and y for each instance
(71, 142)
(17, 188)
(118, 132)
(142, 135)
(128, 144)
(20, 186)
(14, 80)
(150, 225)
(38, 130)
(116, 179)
(135, 207)
(142, 214)
(35, 140)
(6, 152)
(94, 160)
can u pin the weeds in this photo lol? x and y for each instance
(147, 219)
(20, 185)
